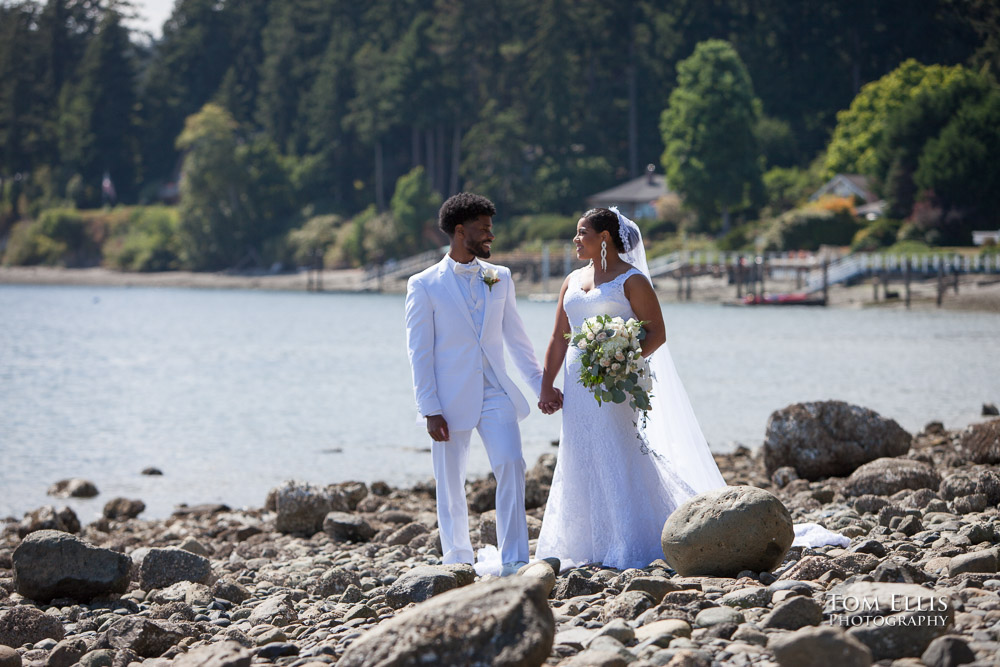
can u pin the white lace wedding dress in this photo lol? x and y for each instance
(609, 499)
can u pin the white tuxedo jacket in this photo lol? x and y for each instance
(446, 354)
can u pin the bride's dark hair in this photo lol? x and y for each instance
(603, 220)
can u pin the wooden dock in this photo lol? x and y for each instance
(801, 277)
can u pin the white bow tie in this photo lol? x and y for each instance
(471, 268)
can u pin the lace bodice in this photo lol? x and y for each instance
(605, 299)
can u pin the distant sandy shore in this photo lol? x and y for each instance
(350, 280)
(975, 293)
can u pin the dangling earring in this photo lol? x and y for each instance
(604, 255)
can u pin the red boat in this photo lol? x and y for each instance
(791, 299)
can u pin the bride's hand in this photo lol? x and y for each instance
(550, 400)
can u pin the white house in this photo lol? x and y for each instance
(982, 237)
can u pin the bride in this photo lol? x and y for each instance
(613, 490)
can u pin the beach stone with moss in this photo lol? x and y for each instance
(829, 438)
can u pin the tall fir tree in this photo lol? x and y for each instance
(711, 156)
(97, 135)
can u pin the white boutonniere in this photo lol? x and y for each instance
(491, 277)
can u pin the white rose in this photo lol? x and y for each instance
(491, 274)
(615, 366)
(590, 336)
(602, 336)
(605, 362)
(619, 356)
(582, 344)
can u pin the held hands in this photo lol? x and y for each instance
(438, 428)
(550, 400)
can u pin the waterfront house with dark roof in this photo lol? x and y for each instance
(635, 198)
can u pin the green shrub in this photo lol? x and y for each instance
(738, 238)
(809, 228)
(878, 234)
(58, 237)
(908, 247)
(147, 241)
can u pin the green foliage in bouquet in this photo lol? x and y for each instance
(611, 363)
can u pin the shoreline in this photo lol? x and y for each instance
(974, 293)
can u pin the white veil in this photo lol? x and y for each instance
(674, 437)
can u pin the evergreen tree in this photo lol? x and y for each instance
(245, 21)
(97, 127)
(188, 65)
(21, 129)
(711, 156)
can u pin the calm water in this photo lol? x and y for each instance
(231, 392)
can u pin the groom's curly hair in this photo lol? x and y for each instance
(462, 208)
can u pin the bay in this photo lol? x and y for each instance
(231, 392)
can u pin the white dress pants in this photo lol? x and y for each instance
(502, 438)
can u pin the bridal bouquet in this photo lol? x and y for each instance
(611, 365)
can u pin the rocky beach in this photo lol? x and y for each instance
(350, 573)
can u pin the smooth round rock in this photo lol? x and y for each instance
(726, 531)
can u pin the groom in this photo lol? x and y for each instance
(459, 314)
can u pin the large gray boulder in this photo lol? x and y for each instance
(499, 622)
(884, 477)
(164, 567)
(25, 624)
(893, 620)
(830, 438)
(726, 531)
(50, 564)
